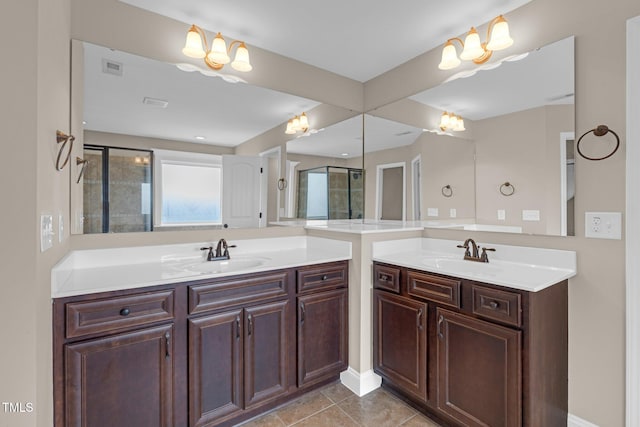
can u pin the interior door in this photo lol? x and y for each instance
(242, 191)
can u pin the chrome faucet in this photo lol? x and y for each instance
(471, 253)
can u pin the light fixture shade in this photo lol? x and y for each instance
(193, 45)
(296, 123)
(304, 122)
(290, 130)
(500, 38)
(472, 47)
(453, 121)
(449, 57)
(444, 120)
(241, 61)
(459, 126)
(218, 53)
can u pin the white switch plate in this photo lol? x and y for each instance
(453, 213)
(432, 211)
(603, 225)
(530, 215)
(502, 214)
(60, 227)
(46, 232)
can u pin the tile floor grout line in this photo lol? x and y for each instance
(310, 415)
(349, 416)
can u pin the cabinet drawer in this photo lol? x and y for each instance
(237, 291)
(496, 304)
(386, 277)
(319, 277)
(435, 288)
(90, 317)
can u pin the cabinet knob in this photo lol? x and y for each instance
(494, 304)
(325, 277)
(125, 312)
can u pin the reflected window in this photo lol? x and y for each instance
(188, 189)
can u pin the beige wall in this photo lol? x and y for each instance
(35, 103)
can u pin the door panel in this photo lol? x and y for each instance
(242, 191)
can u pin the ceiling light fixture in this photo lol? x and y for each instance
(472, 49)
(451, 122)
(218, 55)
(297, 124)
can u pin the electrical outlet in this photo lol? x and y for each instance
(432, 212)
(60, 227)
(502, 215)
(530, 215)
(603, 225)
(453, 213)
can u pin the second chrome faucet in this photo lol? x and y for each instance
(471, 251)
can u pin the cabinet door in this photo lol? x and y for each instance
(265, 352)
(215, 367)
(400, 342)
(479, 371)
(121, 380)
(322, 335)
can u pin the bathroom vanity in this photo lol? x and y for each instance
(209, 350)
(468, 348)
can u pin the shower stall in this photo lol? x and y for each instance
(330, 192)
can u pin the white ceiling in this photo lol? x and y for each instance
(359, 39)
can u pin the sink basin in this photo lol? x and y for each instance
(460, 266)
(225, 266)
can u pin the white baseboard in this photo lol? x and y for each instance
(360, 383)
(573, 421)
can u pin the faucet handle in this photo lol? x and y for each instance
(210, 254)
(484, 257)
(466, 247)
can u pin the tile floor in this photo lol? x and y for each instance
(336, 406)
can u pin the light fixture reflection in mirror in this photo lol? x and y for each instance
(519, 119)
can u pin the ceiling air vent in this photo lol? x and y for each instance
(154, 102)
(111, 67)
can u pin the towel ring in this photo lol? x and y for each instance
(63, 138)
(504, 189)
(447, 191)
(83, 162)
(282, 184)
(601, 130)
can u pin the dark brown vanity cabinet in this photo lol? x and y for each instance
(203, 353)
(322, 323)
(486, 355)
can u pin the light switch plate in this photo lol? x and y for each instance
(530, 215)
(46, 232)
(603, 225)
(453, 213)
(432, 212)
(60, 227)
(502, 215)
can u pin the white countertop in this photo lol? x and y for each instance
(353, 226)
(518, 267)
(101, 270)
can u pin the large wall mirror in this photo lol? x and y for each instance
(509, 168)
(163, 143)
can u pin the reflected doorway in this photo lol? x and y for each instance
(391, 190)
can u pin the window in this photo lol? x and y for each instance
(188, 188)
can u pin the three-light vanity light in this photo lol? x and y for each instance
(297, 124)
(473, 49)
(217, 56)
(450, 121)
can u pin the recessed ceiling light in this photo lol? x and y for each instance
(200, 138)
(344, 154)
(84, 122)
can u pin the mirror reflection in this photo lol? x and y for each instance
(509, 167)
(227, 132)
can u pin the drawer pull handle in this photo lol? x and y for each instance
(384, 278)
(302, 313)
(237, 327)
(420, 319)
(167, 338)
(325, 277)
(250, 325)
(440, 321)
(494, 305)
(125, 312)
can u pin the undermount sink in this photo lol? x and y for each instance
(225, 266)
(452, 265)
